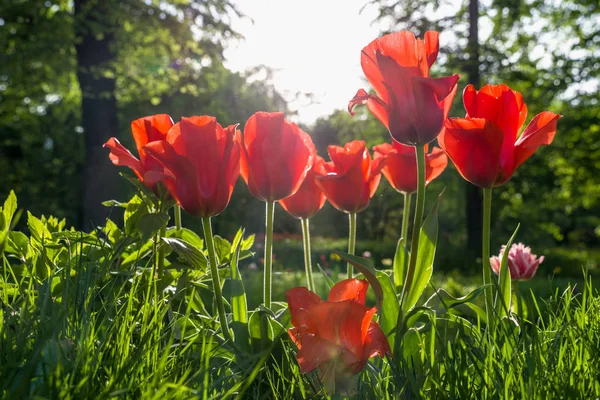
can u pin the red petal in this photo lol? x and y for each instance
(436, 163)
(300, 303)
(432, 46)
(375, 175)
(315, 351)
(309, 199)
(432, 97)
(349, 289)
(539, 132)
(120, 156)
(376, 343)
(474, 146)
(185, 188)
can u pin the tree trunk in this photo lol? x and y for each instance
(473, 197)
(95, 27)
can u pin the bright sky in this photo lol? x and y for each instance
(314, 46)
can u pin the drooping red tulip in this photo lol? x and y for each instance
(485, 146)
(339, 330)
(411, 105)
(201, 163)
(401, 165)
(522, 263)
(276, 155)
(145, 130)
(352, 177)
(309, 199)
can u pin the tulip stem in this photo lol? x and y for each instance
(177, 212)
(406, 215)
(485, 253)
(351, 240)
(212, 258)
(414, 247)
(307, 260)
(268, 253)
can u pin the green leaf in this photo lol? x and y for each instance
(133, 212)
(223, 249)
(190, 253)
(390, 308)
(465, 304)
(239, 304)
(149, 224)
(425, 257)
(325, 276)
(504, 281)
(247, 243)
(114, 203)
(188, 236)
(17, 244)
(9, 209)
(38, 230)
(400, 265)
(366, 267)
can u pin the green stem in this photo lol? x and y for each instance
(307, 260)
(419, 207)
(485, 252)
(268, 253)
(212, 258)
(177, 212)
(406, 215)
(351, 240)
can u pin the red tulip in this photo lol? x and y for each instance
(401, 165)
(339, 329)
(201, 164)
(276, 156)
(309, 199)
(144, 130)
(352, 177)
(485, 146)
(411, 105)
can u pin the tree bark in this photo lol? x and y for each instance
(473, 197)
(95, 32)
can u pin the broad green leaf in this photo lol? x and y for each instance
(17, 244)
(112, 231)
(463, 305)
(38, 230)
(366, 267)
(149, 224)
(134, 210)
(9, 209)
(390, 308)
(147, 196)
(247, 243)
(400, 264)
(425, 256)
(260, 330)
(504, 282)
(187, 235)
(223, 249)
(188, 252)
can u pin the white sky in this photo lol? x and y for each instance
(314, 46)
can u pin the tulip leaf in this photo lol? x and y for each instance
(188, 236)
(325, 276)
(425, 256)
(223, 249)
(190, 253)
(390, 308)
(504, 282)
(238, 297)
(149, 224)
(365, 266)
(442, 298)
(400, 265)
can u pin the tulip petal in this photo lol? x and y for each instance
(377, 106)
(436, 162)
(432, 46)
(349, 289)
(539, 132)
(375, 175)
(120, 156)
(429, 95)
(315, 351)
(185, 188)
(474, 146)
(150, 129)
(300, 302)
(375, 343)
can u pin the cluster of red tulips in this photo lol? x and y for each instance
(199, 161)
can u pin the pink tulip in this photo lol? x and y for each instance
(522, 263)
